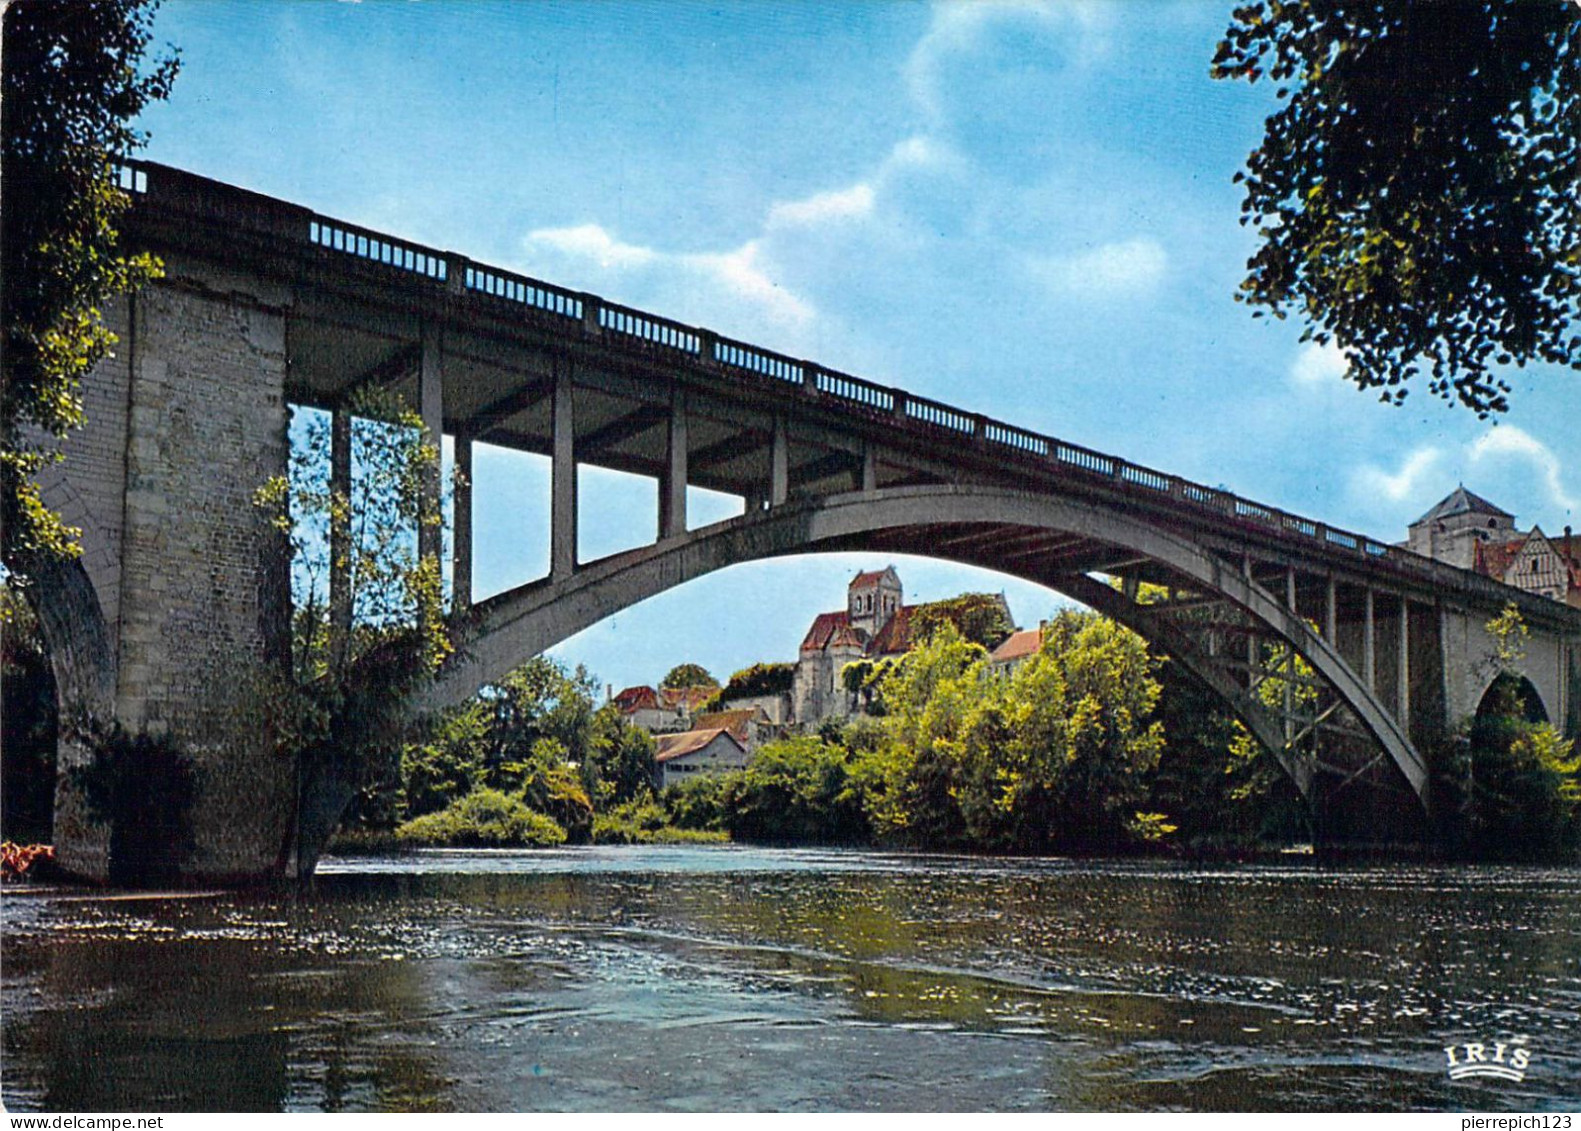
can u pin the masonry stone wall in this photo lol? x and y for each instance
(86, 491)
(184, 423)
(1470, 652)
(203, 602)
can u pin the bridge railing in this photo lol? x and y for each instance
(756, 359)
(378, 247)
(856, 391)
(522, 290)
(647, 331)
(648, 328)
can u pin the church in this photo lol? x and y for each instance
(1468, 531)
(874, 625)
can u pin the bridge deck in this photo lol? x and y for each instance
(361, 300)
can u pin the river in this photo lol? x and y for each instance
(728, 978)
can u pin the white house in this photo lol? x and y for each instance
(683, 756)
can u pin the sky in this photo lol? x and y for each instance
(1024, 209)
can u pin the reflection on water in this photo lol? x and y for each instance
(729, 978)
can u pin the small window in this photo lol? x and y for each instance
(1493, 524)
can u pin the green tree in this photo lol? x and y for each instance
(911, 783)
(484, 818)
(688, 675)
(539, 700)
(74, 79)
(1214, 779)
(1508, 784)
(1079, 742)
(1416, 192)
(619, 766)
(341, 712)
(751, 683)
(800, 789)
(697, 803)
(28, 721)
(449, 764)
(1059, 755)
(979, 617)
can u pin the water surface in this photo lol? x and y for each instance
(727, 978)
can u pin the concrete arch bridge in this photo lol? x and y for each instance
(266, 304)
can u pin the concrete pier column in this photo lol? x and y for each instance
(869, 467)
(340, 537)
(1369, 647)
(1331, 614)
(461, 535)
(562, 502)
(1403, 669)
(672, 484)
(1290, 590)
(1252, 655)
(431, 406)
(779, 465)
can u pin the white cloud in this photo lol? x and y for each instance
(841, 204)
(959, 27)
(1416, 474)
(1506, 440)
(720, 283)
(740, 271)
(590, 241)
(1128, 266)
(1318, 365)
(918, 150)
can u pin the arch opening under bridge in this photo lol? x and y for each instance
(1049, 541)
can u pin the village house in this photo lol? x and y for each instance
(750, 726)
(682, 757)
(1016, 649)
(1468, 531)
(664, 710)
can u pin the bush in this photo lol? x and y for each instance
(758, 681)
(800, 789)
(143, 787)
(646, 822)
(484, 818)
(697, 804)
(1509, 789)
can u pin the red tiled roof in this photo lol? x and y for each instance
(1492, 559)
(869, 577)
(1018, 645)
(672, 746)
(848, 637)
(834, 629)
(687, 698)
(1568, 547)
(824, 626)
(637, 699)
(735, 721)
(895, 636)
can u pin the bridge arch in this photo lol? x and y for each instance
(504, 631)
(1508, 690)
(76, 634)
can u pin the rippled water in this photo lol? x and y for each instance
(733, 978)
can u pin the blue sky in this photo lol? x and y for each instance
(1022, 208)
